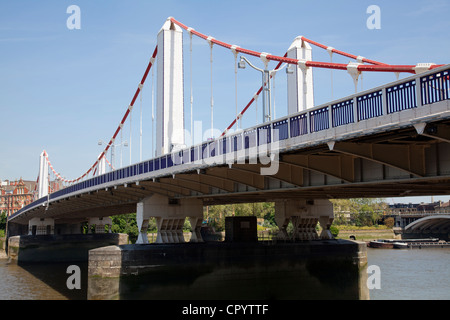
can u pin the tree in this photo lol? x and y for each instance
(389, 222)
(2, 224)
(215, 215)
(125, 223)
(364, 211)
(3, 221)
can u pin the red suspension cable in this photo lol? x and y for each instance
(327, 65)
(342, 53)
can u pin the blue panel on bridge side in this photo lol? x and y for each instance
(370, 105)
(342, 113)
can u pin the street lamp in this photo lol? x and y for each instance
(125, 144)
(266, 93)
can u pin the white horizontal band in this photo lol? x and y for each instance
(263, 57)
(302, 64)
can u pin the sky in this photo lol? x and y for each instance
(62, 90)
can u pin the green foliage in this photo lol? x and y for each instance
(334, 230)
(3, 221)
(125, 223)
(389, 222)
(363, 211)
(215, 215)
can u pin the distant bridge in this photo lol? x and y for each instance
(432, 226)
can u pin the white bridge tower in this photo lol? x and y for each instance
(170, 104)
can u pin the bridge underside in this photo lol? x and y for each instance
(408, 161)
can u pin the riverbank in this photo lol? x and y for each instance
(364, 233)
(3, 254)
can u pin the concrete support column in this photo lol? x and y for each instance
(142, 223)
(304, 215)
(170, 216)
(196, 224)
(41, 226)
(325, 223)
(170, 230)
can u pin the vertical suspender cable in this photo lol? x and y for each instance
(235, 87)
(256, 107)
(330, 51)
(192, 98)
(362, 89)
(140, 129)
(153, 112)
(129, 146)
(273, 95)
(212, 97)
(121, 148)
(235, 92)
(233, 49)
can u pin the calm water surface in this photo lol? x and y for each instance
(409, 274)
(38, 281)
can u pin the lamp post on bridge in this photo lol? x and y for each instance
(125, 144)
(266, 92)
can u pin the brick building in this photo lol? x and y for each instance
(16, 194)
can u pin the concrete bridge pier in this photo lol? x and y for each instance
(69, 228)
(170, 216)
(41, 226)
(47, 226)
(304, 215)
(100, 224)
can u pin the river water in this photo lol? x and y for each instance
(411, 274)
(408, 274)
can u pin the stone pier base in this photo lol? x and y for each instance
(59, 248)
(328, 269)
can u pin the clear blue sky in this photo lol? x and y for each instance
(63, 90)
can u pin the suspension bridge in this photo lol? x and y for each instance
(388, 141)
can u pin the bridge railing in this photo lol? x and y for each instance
(421, 213)
(391, 98)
